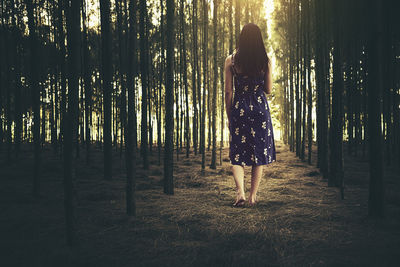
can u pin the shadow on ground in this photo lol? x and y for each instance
(299, 221)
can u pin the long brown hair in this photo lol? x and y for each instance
(251, 56)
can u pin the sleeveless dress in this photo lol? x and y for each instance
(251, 135)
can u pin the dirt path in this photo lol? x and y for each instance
(298, 221)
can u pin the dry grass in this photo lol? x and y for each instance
(298, 221)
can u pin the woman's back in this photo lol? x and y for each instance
(244, 83)
(251, 141)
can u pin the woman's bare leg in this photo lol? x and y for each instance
(256, 173)
(238, 175)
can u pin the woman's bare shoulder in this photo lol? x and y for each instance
(228, 61)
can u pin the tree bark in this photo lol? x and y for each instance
(214, 99)
(169, 102)
(107, 85)
(143, 72)
(130, 132)
(71, 119)
(375, 48)
(88, 84)
(34, 84)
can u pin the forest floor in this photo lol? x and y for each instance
(298, 221)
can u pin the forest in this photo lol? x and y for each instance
(114, 139)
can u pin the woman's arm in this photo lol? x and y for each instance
(268, 79)
(228, 86)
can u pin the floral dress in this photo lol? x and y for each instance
(251, 136)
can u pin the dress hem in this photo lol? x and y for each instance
(255, 164)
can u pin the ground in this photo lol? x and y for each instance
(298, 221)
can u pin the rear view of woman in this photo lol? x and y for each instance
(251, 135)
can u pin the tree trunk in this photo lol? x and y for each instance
(309, 109)
(185, 82)
(162, 75)
(375, 49)
(88, 84)
(230, 21)
(130, 132)
(17, 93)
(237, 20)
(34, 84)
(322, 119)
(194, 70)
(71, 119)
(169, 103)
(214, 99)
(336, 130)
(221, 72)
(107, 85)
(143, 72)
(203, 118)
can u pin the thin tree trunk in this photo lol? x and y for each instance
(122, 60)
(107, 85)
(88, 84)
(162, 75)
(143, 72)
(185, 82)
(375, 49)
(35, 99)
(237, 20)
(336, 133)
(71, 119)
(309, 110)
(221, 72)
(194, 70)
(203, 118)
(230, 21)
(214, 99)
(130, 133)
(17, 93)
(3, 66)
(169, 102)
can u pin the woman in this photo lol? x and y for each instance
(251, 136)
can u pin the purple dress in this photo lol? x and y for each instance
(251, 136)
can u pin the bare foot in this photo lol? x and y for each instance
(240, 199)
(252, 200)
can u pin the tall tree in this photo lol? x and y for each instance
(17, 78)
(3, 66)
(122, 60)
(336, 129)
(221, 73)
(130, 133)
(61, 62)
(88, 83)
(34, 84)
(203, 118)
(106, 65)
(185, 81)
(214, 99)
(230, 12)
(309, 85)
(162, 78)
(71, 118)
(375, 49)
(322, 119)
(169, 103)
(143, 75)
(194, 72)
(237, 20)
